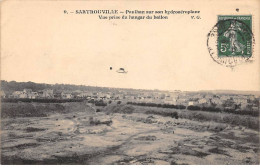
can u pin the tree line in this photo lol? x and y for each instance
(198, 108)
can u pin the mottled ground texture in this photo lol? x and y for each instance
(124, 136)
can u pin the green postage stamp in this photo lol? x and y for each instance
(231, 40)
(234, 36)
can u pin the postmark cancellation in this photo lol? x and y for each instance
(231, 40)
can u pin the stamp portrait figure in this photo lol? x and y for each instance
(231, 33)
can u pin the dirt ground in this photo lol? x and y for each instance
(116, 138)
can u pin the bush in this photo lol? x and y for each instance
(100, 103)
(127, 110)
(91, 101)
(193, 108)
(165, 114)
(93, 121)
(213, 109)
(172, 106)
(181, 107)
(119, 102)
(175, 115)
(242, 112)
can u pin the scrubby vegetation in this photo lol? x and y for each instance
(124, 109)
(198, 108)
(203, 116)
(243, 112)
(233, 111)
(93, 121)
(100, 103)
(97, 102)
(193, 108)
(158, 105)
(166, 114)
(13, 110)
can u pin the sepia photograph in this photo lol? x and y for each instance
(130, 82)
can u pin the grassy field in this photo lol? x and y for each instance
(202, 116)
(22, 109)
(75, 133)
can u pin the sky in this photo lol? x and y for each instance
(40, 43)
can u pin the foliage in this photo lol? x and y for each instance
(194, 108)
(165, 114)
(93, 121)
(100, 103)
(158, 105)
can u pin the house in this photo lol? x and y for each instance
(170, 100)
(181, 101)
(208, 96)
(224, 97)
(23, 95)
(46, 93)
(78, 91)
(239, 100)
(140, 97)
(119, 96)
(156, 96)
(108, 96)
(191, 103)
(88, 97)
(27, 91)
(251, 97)
(32, 95)
(83, 95)
(103, 96)
(65, 95)
(202, 101)
(57, 95)
(16, 94)
(255, 108)
(3, 95)
(243, 106)
(128, 97)
(216, 101)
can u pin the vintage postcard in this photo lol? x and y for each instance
(118, 82)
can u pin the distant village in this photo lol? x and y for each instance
(223, 101)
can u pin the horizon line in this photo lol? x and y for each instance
(134, 88)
